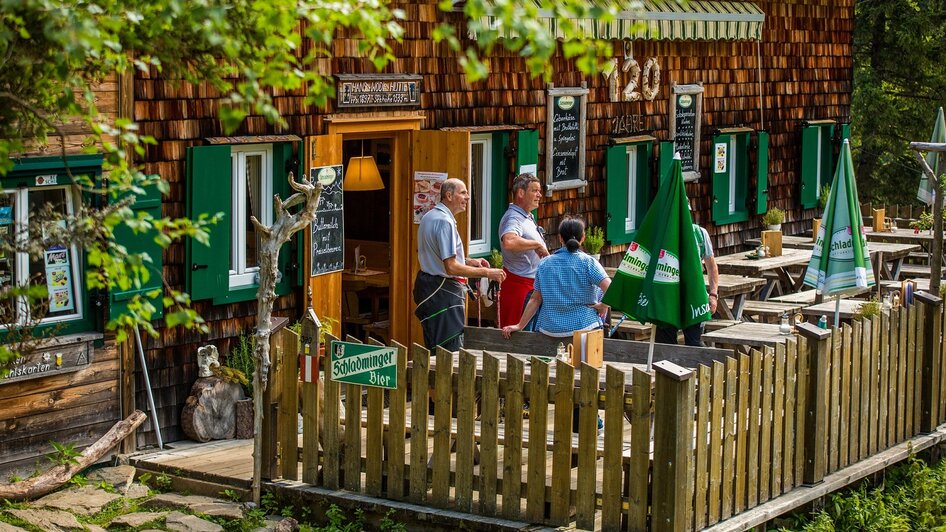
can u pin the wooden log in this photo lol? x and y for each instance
(209, 412)
(52, 479)
(673, 437)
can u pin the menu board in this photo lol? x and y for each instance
(328, 229)
(686, 110)
(565, 138)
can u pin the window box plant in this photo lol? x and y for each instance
(773, 219)
(594, 241)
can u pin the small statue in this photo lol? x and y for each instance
(207, 357)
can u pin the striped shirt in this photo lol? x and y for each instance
(568, 283)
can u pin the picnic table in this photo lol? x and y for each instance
(747, 334)
(788, 241)
(849, 308)
(788, 269)
(737, 287)
(886, 257)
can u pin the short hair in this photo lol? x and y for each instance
(449, 187)
(522, 182)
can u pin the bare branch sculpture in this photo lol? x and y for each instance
(285, 225)
(936, 251)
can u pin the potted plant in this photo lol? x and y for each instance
(822, 202)
(594, 241)
(773, 219)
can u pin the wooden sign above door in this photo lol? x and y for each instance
(378, 90)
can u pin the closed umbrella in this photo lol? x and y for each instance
(840, 261)
(938, 164)
(660, 280)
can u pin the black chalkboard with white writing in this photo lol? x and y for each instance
(685, 126)
(565, 139)
(328, 229)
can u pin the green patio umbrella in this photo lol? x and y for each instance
(660, 280)
(845, 267)
(925, 193)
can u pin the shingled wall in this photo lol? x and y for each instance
(806, 62)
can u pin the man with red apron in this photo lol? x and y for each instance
(523, 245)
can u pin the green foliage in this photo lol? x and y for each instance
(231, 495)
(63, 454)
(228, 374)
(823, 196)
(77, 480)
(242, 358)
(910, 499)
(899, 80)
(925, 221)
(594, 240)
(161, 483)
(868, 309)
(495, 258)
(773, 216)
(329, 326)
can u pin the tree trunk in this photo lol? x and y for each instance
(936, 259)
(54, 478)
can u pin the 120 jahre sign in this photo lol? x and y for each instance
(362, 364)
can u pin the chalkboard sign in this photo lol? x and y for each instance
(328, 229)
(686, 117)
(565, 138)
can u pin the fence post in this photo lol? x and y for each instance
(930, 307)
(673, 446)
(816, 415)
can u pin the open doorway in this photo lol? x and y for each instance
(366, 281)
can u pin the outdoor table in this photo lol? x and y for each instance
(887, 258)
(747, 334)
(788, 241)
(791, 259)
(902, 236)
(737, 287)
(849, 308)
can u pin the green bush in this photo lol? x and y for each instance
(773, 216)
(242, 358)
(594, 240)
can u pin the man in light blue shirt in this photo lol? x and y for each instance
(523, 245)
(440, 286)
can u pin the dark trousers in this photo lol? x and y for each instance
(692, 335)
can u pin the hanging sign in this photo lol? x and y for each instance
(377, 90)
(686, 117)
(328, 228)
(565, 138)
(363, 364)
(66, 354)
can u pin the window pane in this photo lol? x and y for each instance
(254, 171)
(476, 192)
(54, 269)
(630, 223)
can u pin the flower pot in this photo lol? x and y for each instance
(815, 226)
(596, 256)
(776, 227)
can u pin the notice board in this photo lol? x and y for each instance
(686, 120)
(328, 229)
(565, 138)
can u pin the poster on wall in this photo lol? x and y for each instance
(720, 158)
(426, 192)
(328, 228)
(686, 119)
(58, 279)
(565, 138)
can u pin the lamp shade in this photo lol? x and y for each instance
(362, 174)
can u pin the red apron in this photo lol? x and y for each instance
(512, 298)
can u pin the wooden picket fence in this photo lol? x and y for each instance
(680, 449)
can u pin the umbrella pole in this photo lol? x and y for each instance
(837, 310)
(650, 351)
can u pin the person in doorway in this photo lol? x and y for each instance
(441, 284)
(522, 244)
(566, 294)
(693, 335)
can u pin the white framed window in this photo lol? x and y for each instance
(252, 174)
(481, 177)
(57, 268)
(630, 222)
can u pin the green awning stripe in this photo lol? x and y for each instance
(668, 20)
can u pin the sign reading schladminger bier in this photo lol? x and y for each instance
(378, 90)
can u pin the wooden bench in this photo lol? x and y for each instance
(768, 311)
(629, 329)
(715, 325)
(910, 271)
(918, 257)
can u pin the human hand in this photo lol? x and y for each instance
(602, 309)
(542, 251)
(484, 263)
(509, 329)
(495, 274)
(713, 303)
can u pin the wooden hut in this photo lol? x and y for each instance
(754, 94)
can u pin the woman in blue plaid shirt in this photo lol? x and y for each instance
(569, 285)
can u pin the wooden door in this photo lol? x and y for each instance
(323, 150)
(428, 151)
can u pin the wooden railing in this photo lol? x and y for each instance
(680, 449)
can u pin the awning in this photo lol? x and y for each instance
(707, 20)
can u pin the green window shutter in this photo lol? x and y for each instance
(209, 192)
(616, 175)
(721, 182)
(149, 202)
(810, 165)
(499, 192)
(762, 173)
(282, 157)
(527, 148)
(645, 152)
(666, 160)
(845, 131)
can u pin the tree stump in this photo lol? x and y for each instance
(210, 410)
(244, 419)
